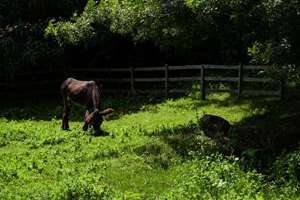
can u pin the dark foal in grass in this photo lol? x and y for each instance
(215, 127)
(85, 93)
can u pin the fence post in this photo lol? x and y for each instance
(202, 83)
(166, 80)
(133, 92)
(240, 80)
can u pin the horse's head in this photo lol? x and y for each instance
(96, 117)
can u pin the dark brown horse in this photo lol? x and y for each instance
(88, 94)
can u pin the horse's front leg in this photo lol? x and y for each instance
(97, 130)
(85, 125)
(65, 117)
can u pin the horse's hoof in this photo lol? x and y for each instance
(97, 132)
(65, 128)
(85, 128)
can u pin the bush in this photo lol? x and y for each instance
(214, 177)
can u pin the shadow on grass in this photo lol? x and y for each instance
(258, 140)
(262, 138)
(52, 109)
(102, 133)
(187, 140)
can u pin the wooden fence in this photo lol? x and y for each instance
(167, 75)
(202, 79)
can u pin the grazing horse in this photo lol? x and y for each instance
(88, 94)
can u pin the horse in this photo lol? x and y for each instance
(85, 93)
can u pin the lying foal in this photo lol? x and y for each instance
(86, 93)
(215, 127)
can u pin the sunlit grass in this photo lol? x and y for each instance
(138, 159)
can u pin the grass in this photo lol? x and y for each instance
(153, 150)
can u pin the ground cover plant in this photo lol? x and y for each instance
(152, 149)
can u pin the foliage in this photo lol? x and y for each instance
(287, 167)
(216, 178)
(71, 33)
(281, 43)
(23, 48)
(33, 10)
(178, 24)
(285, 42)
(262, 32)
(259, 53)
(177, 31)
(22, 24)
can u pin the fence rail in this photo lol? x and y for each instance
(131, 76)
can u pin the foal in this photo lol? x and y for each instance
(88, 94)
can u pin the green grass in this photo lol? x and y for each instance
(153, 150)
